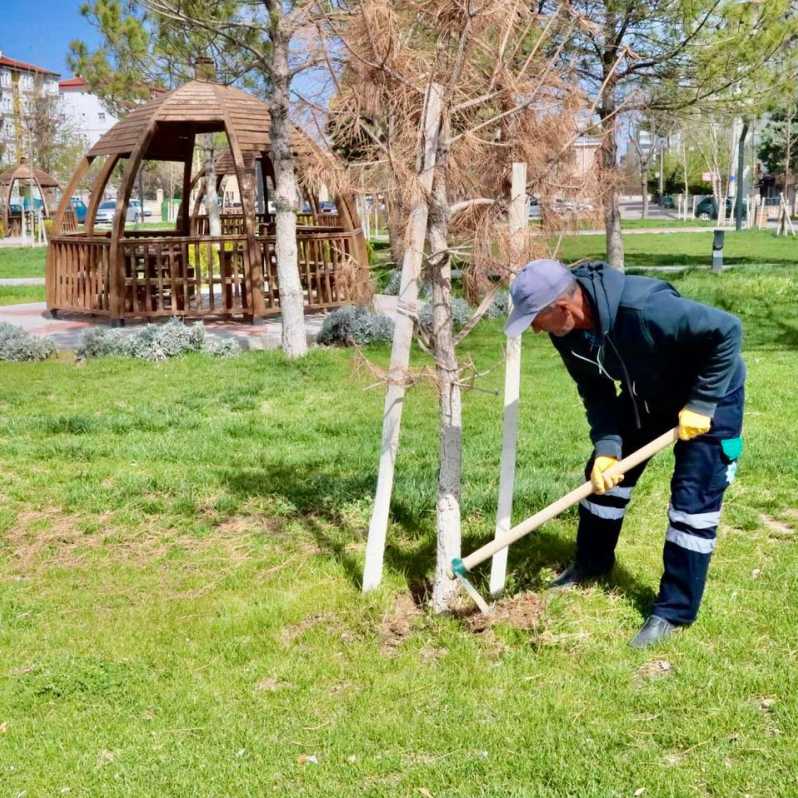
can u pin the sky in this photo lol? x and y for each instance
(39, 31)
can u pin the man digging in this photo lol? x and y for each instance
(671, 359)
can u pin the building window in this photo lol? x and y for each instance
(101, 116)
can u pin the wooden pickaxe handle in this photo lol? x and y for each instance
(570, 499)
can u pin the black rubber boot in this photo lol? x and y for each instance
(654, 630)
(577, 574)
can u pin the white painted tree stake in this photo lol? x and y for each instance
(512, 391)
(402, 340)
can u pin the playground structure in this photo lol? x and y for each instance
(36, 194)
(131, 273)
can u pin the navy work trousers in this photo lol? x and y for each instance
(704, 468)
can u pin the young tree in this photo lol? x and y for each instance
(777, 148)
(499, 100)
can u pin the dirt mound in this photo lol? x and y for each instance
(523, 611)
(397, 624)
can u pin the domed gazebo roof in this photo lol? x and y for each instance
(196, 107)
(23, 171)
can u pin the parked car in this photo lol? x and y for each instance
(79, 208)
(32, 203)
(707, 208)
(136, 206)
(105, 212)
(327, 207)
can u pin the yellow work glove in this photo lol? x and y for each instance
(601, 482)
(692, 424)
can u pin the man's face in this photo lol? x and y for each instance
(556, 319)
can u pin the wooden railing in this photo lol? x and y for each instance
(185, 276)
(78, 275)
(322, 257)
(193, 276)
(232, 224)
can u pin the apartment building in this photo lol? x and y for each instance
(82, 111)
(20, 83)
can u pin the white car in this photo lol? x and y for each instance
(106, 212)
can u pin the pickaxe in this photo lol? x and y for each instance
(460, 567)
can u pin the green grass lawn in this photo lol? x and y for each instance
(19, 294)
(689, 249)
(180, 551)
(638, 224)
(22, 261)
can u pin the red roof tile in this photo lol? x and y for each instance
(21, 65)
(72, 83)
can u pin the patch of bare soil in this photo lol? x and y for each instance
(778, 529)
(40, 539)
(523, 611)
(655, 669)
(398, 624)
(291, 633)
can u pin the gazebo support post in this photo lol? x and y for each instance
(80, 173)
(97, 192)
(185, 206)
(345, 204)
(255, 272)
(116, 282)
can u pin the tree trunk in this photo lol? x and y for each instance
(450, 432)
(609, 160)
(292, 304)
(211, 197)
(644, 192)
(395, 217)
(738, 205)
(788, 192)
(686, 175)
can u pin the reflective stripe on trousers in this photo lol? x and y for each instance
(701, 474)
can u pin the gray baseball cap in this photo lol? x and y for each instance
(537, 285)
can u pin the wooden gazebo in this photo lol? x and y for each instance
(20, 175)
(133, 274)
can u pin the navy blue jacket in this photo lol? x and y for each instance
(665, 351)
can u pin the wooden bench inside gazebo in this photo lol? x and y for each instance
(129, 273)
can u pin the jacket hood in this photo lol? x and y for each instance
(604, 286)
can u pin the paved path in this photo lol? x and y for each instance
(67, 330)
(16, 241)
(22, 281)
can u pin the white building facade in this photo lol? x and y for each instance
(20, 83)
(83, 112)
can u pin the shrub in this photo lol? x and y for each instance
(461, 313)
(394, 281)
(102, 342)
(222, 347)
(155, 342)
(499, 307)
(17, 344)
(355, 325)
